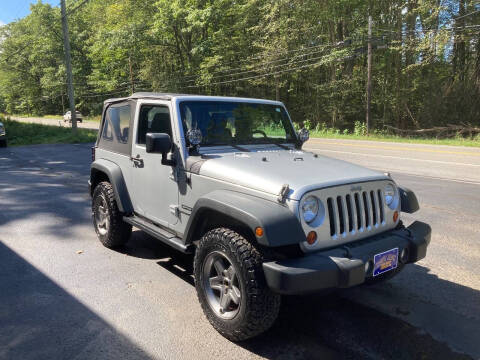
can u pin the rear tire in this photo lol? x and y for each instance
(227, 266)
(111, 230)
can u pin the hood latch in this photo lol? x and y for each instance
(282, 196)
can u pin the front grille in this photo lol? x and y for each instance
(356, 212)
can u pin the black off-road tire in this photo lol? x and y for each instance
(118, 231)
(3, 143)
(259, 306)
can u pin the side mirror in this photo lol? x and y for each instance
(160, 143)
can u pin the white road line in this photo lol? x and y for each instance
(393, 157)
(428, 176)
(397, 147)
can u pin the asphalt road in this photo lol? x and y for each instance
(63, 295)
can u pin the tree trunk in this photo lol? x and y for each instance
(411, 22)
(398, 73)
(459, 45)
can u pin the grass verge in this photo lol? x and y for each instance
(400, 139)
(19, 133)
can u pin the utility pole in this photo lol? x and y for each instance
(369, 74)
(68, 63)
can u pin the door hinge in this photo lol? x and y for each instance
(174, 209)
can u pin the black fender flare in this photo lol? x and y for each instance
(115, 177)
(408, 200)
(281, 226)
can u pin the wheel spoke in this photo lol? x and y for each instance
(216, 283)
(234, 293)
(219, 267)
(224, 299)
(230, 273)
(103, 212)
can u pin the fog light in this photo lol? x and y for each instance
(311, 237)
(259, 231)
(395, 216)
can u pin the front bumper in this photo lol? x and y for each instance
(344, 266)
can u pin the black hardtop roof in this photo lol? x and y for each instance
(145, 95)
(170, 96)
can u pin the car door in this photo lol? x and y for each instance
(154, 190)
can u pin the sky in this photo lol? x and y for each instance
(16, 9)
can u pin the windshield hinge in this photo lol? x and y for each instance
(282, 196)
(174, 210)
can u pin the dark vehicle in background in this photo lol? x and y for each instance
(68, 116)
(3, 136)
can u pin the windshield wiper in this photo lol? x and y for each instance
(284, 147)
(240, 148)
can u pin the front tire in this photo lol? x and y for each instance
(231, 287)
(111, 230)
(3, 143)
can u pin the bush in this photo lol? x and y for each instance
(360, 128)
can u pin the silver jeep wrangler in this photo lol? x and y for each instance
(226, 180)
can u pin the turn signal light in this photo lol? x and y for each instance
(311, 237)
(395, 216)
(259, 231)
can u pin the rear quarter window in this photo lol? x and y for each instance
(117, 125)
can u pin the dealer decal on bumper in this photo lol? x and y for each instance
(385, 261)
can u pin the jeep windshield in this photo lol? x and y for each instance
(237, 123)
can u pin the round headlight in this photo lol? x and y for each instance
(389, 194)
(310, 209)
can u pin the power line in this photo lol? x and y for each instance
(74, 8)
(451, 29)
(228, 72)
(259, 66)
(71, 11)
(263, 56)
(460, 17)
(263, 75)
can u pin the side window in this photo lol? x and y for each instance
(107, 130)
(120, 121)
(116, 129)
(153, 119)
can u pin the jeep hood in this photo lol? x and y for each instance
(269, 170)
